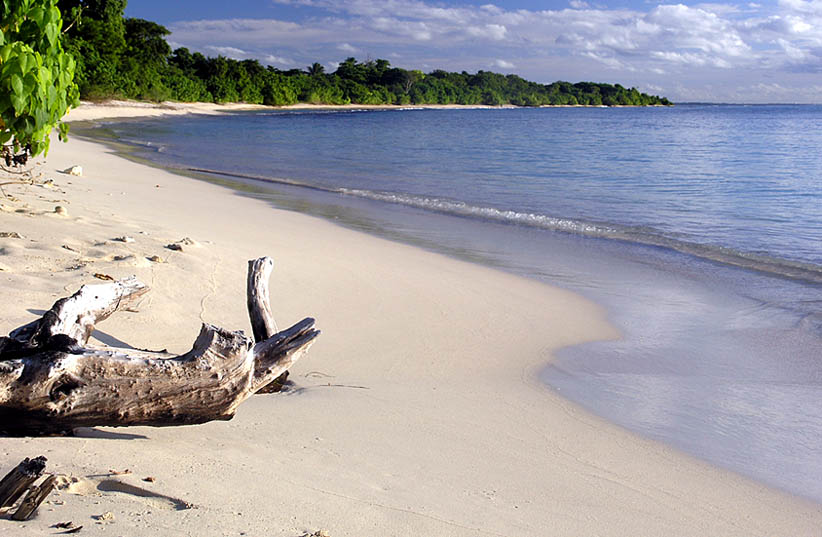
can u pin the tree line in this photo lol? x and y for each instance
(130, 58)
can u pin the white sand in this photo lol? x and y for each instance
(89, 111)
(417, 412)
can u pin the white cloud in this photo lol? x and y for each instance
(502, 64)
(690, 44)
(495, 32)
(719, 9)
(229, 52)
(277, 60)
(810, 7)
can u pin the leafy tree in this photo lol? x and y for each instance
(100, 23)
(36, 75)
(96, 37)
(145, 41)
(130, 58)
(349, 69)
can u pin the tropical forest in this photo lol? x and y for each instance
(119, 57)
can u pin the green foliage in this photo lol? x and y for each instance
(120, 57)
(145, 41)
(96, 38)
(36, 75)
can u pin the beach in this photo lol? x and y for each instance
(417, 412)
(89, 111)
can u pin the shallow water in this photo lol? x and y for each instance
(649, 212)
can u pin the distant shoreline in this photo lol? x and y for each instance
(89, 111)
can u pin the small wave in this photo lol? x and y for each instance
(460, 208)
(639, 235)
(645, 236)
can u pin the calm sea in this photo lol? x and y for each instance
(698, 227)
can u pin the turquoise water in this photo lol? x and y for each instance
(699, 228)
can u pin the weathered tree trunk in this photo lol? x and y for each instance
(51, 381)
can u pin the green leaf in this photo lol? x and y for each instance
(27, 63)
(11, 67)
(2, 37)
(19, 103)
(29, 83)
(41, 116)
(45, 76)
(17, 85)
(5, 136)
(36, 15)
(51, 33)
(51, 96)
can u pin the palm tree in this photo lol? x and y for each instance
(316, 69)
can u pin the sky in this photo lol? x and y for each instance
(743, 52)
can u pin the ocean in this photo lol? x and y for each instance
(697, 227)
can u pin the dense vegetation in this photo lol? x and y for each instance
(36, 78)
(126, 57)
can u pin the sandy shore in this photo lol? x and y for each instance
(89, 111)
(417, 412)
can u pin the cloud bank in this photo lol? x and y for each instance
(716, 52)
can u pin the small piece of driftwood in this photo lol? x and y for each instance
(52, 381)
(36, 495)
(17, 481)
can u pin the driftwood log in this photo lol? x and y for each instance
(52, 381)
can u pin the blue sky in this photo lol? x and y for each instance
(689, 51)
